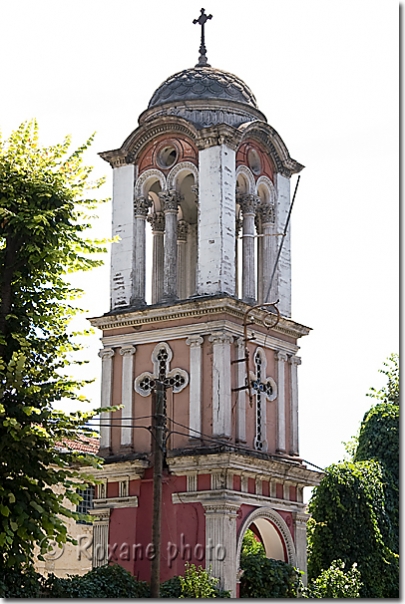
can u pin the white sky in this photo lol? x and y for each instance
(326, 76)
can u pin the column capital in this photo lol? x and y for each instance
(106, 353)
(170, 201)
(220, 508)
(266, 211)
(141, 206)
(182, 229)
(220, 337)
(281, 355)
(220, 134)
(194, 341)
(127, 350)
(157, 222)
(248, 202)
(295, 360)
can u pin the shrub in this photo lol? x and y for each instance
(198, 583)
(335, 583)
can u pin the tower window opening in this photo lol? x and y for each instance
(167, 156)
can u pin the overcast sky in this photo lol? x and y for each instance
(326, 76)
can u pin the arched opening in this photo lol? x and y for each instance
(270, 538)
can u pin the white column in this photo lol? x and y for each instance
(269, 243)
(141, 208)
(106, 356)
(294, 445)
(221, 384)
(284, 264)
(216, 221)
(191, 259)
(281, 359)
(248, 204)
(169, 201)
(157, 221)
(195, 343)
(182, 228)
(241, 395)
(220, 542)
(123, 226)
(301, 520)
(127, 353)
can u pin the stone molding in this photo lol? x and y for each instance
(114, 472)
(220, 337)
(194, 341)
(185, 166)
(242, 169)
(115, 502)
(143, 179)
(265, 180)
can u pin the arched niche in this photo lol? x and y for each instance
(150, 180)
(245, 181)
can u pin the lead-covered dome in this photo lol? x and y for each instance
(203, 83)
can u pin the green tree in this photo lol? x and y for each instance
(355, 509)
(45, 209)
(334, 582)
(264, 577)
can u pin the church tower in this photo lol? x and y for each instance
(201, 196)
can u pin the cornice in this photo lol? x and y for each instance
(115, 502)
(251, 465)
(192, 309)
(132, 469)
(269, 137)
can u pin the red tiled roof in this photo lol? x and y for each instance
(83, 444)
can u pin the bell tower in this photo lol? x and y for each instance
(201, 195)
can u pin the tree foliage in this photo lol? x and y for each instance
(355, 509)
(45, 210)
(264, 577)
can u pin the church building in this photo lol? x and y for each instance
(201, 301)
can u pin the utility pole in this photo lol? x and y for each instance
(158, 435)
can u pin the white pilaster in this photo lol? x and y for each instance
(100, 537)
(195, 343)
(221, 384)
(301, 520)
(284, 264)
(281, 359)
(123, 227)
(216, 221)
(294, 444)
(106, 356)
(241, 395)
(220, 542)
(127, 353)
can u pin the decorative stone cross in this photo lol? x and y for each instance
(264, 388)
(202, 59)
(177, 379)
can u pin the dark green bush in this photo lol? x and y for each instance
(20, 582)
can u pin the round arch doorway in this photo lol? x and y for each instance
(272, 531)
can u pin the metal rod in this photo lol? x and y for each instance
(282, 241)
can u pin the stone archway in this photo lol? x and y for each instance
(273, 532)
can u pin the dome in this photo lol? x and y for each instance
(203, 83)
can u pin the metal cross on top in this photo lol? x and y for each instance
(202, 59)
